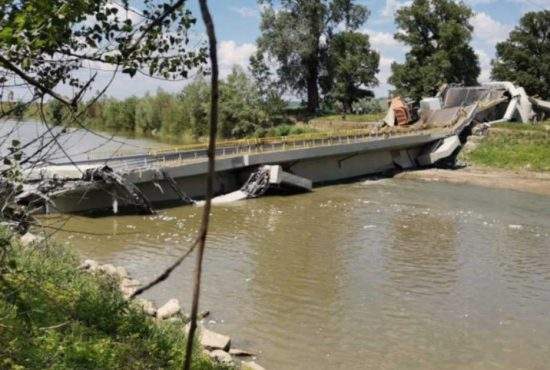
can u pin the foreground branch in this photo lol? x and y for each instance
(209, 25)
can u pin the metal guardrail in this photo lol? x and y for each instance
(190, 153)
(247, 145)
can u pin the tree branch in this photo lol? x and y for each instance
(209, 25)
(31, 81)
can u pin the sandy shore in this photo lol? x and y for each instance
(527, 181)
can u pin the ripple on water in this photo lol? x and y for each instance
(384, 274)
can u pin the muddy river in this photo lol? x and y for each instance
(387, 274)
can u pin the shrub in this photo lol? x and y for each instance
(55, 316)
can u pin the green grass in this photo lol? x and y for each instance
(53, 316)
(514, 146)
(350, 117)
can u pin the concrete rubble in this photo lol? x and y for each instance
(465, 111)
(491, 102)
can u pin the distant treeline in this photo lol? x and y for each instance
(184, 116)
(247, 109)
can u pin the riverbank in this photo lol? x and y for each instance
(506, 156)
(526, 181)
(55, 315)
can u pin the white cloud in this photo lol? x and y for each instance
(385, 69)
(231, 53)
(388, 11)
(382, 40)
(488, 30)
(245, 11)
(485, 65)
(383, 75)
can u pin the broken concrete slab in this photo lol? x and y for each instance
(443, 150)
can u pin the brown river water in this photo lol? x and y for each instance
(386, 274)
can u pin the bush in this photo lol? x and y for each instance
(367, 106)
(55, 316)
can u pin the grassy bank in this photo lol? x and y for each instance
(358, 118)
(514, 146)
(53, 315)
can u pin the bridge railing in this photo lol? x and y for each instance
(189, 153)
(255, 145)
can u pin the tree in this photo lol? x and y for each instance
(351, 68)
(297, 35)
(47, 45)
(524, 57)
(438, 33)
(44, 44)
(269, 90)
(241, 108)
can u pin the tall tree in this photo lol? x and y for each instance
(525, 56)
(351, 68)
(297, 34)
(438, 33)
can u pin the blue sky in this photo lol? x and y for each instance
(237, 26)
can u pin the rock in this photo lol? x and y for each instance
(250, 365)
(170, 308)
(117, 272)
(89, 265)
(240, 353)
(122, 272)
(222, 357)
(109, 270)
(146, 306)
(211, 340)
(29, 239)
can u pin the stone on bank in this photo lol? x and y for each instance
(170, 308)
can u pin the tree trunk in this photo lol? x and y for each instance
(312, 86)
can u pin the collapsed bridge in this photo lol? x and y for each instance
(250, 168)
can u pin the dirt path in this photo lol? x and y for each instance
(532, 182)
